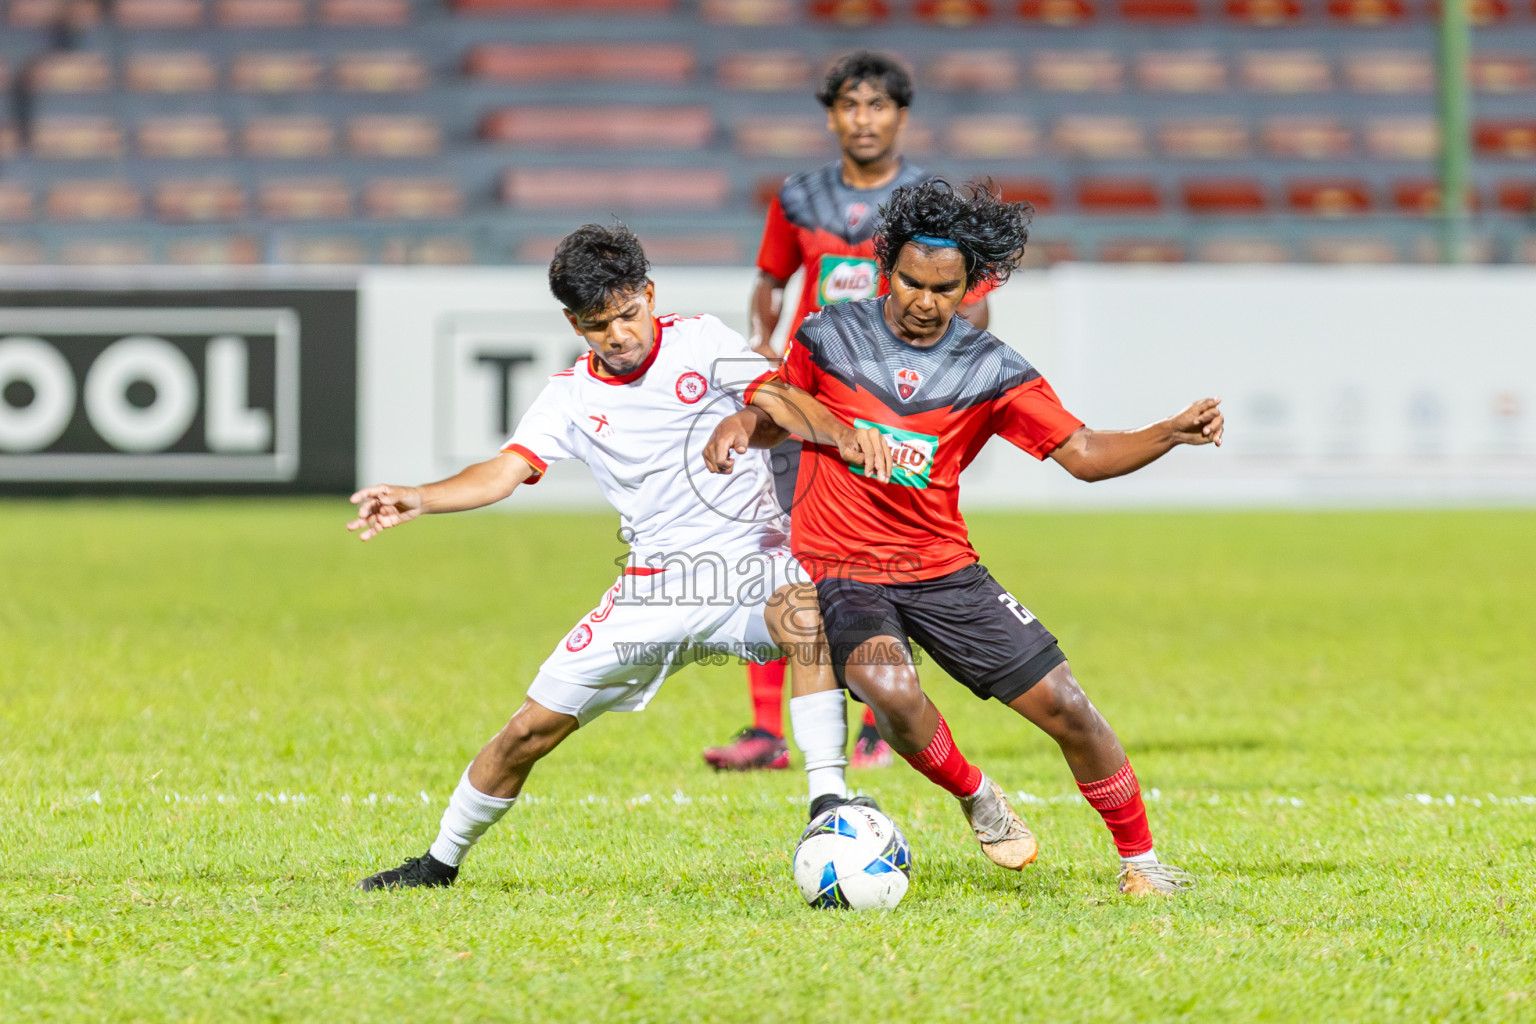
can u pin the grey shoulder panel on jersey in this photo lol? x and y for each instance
(808, 198)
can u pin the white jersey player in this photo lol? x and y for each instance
(709, 568)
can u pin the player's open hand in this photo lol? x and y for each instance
(729, 440)
(1201, 423)
(865, 447)
(383, 506)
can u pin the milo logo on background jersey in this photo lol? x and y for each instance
(912, 454)
(845, 278)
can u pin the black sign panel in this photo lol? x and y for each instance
(189, 391)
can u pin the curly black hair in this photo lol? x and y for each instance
(989, 232)
(593, 264)
(880, 71)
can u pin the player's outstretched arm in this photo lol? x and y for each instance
(801, 414)
(749, 428)
(384, 506)
(1101, 454)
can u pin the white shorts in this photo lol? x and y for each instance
(650, 624)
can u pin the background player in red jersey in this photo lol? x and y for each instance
(892, 560)
(823, 223)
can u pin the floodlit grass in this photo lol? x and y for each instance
(216, 716)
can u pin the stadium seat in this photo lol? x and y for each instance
(783, 135)
(1352, 250)
(288, 136)
(1204, 138)
(850, 13)
(765, 71)
(104, 252)
(183, 136)
(1193, 71)
(508, 62)
(1421, 196)
(1141, 250)
(153, 14)
(1039, 192)
(217, 251)
(1165, 12)
(1058, 13)
(276, 72)
(1367, 12)
(1402, 138)
(380, 71)
(364, 13)
(750, 12)
(975, 71)
(1264, 13)
(1334, 197)
(1389, 71)
(1240, 197)
(1503, 73)
(260, 13)
(9, 143)
(1242, 250)
(565, 8)
(690, 188)
(393, 135)
(1078, 71)
(442, 252)
(331, 251)
(607, 127)
(19, 252)
(66, 71)
(1518, 197)
(412, 199)
(94, 201)
(199, 200)
(76, 137)
(1306, 138)
(1099, 137)
(15, 202)
(988, 136)
(1515, 140)
(46, 14)
(304, 199)
(952, 13)
(170, 73)
(1285, 71)
(1122, 196)
(5, 74)
(702, 250)
(765, 188)
(1480, 13)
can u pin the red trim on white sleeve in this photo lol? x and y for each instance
(762, 378)
(538, 464)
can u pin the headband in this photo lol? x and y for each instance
(937, 243)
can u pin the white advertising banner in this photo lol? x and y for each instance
(1342, 386)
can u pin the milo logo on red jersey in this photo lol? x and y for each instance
(845, 278)
(912, 454)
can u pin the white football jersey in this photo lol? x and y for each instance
(643, 436)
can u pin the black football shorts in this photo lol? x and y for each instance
(973, 628)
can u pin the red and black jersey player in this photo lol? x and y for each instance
(822, 222)
(892, 560)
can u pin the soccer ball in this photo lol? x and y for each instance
(853, 858)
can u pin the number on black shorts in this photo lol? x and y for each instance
(1021, 613)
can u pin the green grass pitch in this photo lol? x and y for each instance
(216, 716)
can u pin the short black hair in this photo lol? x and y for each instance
(989, 232)
(595, 263)
(880, 71)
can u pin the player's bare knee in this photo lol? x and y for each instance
(892, 691)
(796, 618)
(1068, 713)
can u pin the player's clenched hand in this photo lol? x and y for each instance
(729, 439)
(382, 506)
(866, 447)
(1201, 423)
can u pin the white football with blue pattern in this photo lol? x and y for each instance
(853, 858)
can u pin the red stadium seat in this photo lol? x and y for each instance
(76, 137)
(850, 13)
(1515, 140)
(380, 71)
(327, 251)
(609, 127)
(260, 13)
(508, 62)
(1167, 12)
(1099, 137)
(412, 199)
(1191, 71)
(1352, 250)
(991, 136)
(104, 252)
(1503, 73)
(218, 251)
(441, 252)
(15, 202)
(199, 200)
(393, 135)
(750, 12)
(953, 13)
(1306, 138)
(1389, 71)
(16, 252)
(1286, 71)
(1518, 197)
(364, 13)
(70, 72)
(1204, 138)
(565, 8)
(170, 73)
(1333, 197)
(1264, 13)
(695, 188)
(1481, 13)
(158, 13)
(1367, 12)
(94, 201)
(1078, 71)
(782, 135)
(1142, 250)
(276, 72)
(1059, 13)
(1119, 196)
(975, 71)
(47, 14)
(288, 136)
(183, 136)
(304, 199)
(1240, 197)
(1039, 192)
(1402, 138)
(765, 71)
(1422, 196)
(1243, 250)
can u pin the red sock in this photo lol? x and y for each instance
(767, 685)
(869, 717)
(1118, 801)
(943, 765)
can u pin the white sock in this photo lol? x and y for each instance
(470, 812)
(1150, 857)
(820, 724)
(981, 787)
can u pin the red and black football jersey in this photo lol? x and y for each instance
(937, 407)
